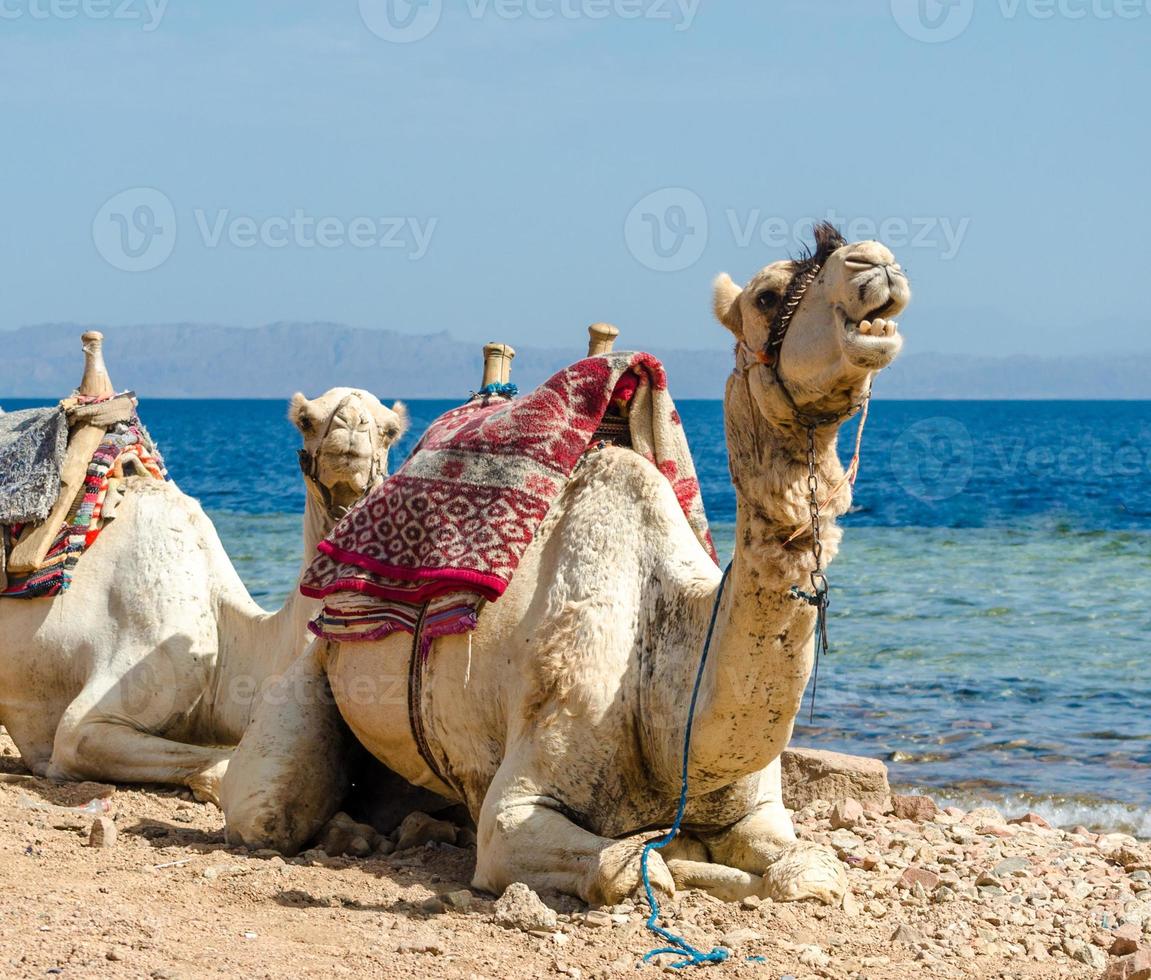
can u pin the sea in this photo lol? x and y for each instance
(990, 624)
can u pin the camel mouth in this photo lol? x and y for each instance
(871, 342)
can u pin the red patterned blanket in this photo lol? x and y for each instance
(449, 528)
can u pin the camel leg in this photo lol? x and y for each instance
(33, 733)
(289, 773)
(91, 746)
(524, 836)
(764, 843)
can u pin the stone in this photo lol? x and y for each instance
(1134, 967)
(751, 901)
(597, 919)
(814, 774)
(103, 833)
(419, 829)
(846, 814)
(739, 937)
(1030, 820)
(460, 900)
(814, 956)
(984, 816)
(913, 876)
(850, 905)
(1012, 866)
(358, 847)
(433, 906)
(521, 908)
(907, 934)
(918, 808)
(1126, 939)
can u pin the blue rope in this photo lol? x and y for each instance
(495, 388)
(679, 945)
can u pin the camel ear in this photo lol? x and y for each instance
(726, 304)
(398, 426)
(300, 414)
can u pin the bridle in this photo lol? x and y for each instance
(310, 467)
(771, 356)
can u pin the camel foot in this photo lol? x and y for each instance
(205, 785)
(718, 880)
(618, 874)
(805, 870)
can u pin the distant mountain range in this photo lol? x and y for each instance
(189, 360)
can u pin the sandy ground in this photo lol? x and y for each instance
(171, 899)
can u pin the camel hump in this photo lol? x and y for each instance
(601, 339)
(95, 383)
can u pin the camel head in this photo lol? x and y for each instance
(347, 434)
(839, 332)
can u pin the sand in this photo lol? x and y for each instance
(946, 895)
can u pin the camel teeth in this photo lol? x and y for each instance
(865, 326)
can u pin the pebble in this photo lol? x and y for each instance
(459, 900)
(597, 919)
(740, 937)
(103, 833)
(917, 808)
(907, 934)
(927, 880)
(521, 908)
(846, 814)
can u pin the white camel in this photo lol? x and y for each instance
(144, 671)
(562, 726)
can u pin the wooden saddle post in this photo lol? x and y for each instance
(83, 441)
(601, 339)
(497, 364)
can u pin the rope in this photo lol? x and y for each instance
(506, 389)
(679, 945)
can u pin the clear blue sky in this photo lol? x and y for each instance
(494, 178)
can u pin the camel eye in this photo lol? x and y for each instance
(767, 299)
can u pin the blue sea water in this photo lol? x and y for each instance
(991, 617)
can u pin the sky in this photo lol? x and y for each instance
(516, 169)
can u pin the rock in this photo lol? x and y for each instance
(459, 900)
(907, 934)
(597, 919)
(913, 876)
(846, 814)
(984, 816)
(419, 829)
(433, 906)
(751, 902)
(850, 905)
(739, 937)
(1126, 939)
(1030, 820)
(359, 847)
(1134, 967)
(520, 908)
(1012, 866)
(813, 774)
(876, 909)
(103, 833)
(815, 957)
(918, 808)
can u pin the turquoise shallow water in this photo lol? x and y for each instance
(990, 621)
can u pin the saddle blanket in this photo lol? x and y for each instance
(446, 532)
(125, 450)
(32, 446)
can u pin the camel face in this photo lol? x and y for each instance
(842, 329)
(347, 434)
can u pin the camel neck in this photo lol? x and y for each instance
(762, 650)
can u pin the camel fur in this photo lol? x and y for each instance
(560, 721)
(145, 670)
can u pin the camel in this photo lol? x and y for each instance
(144, 670)
(560, 721)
